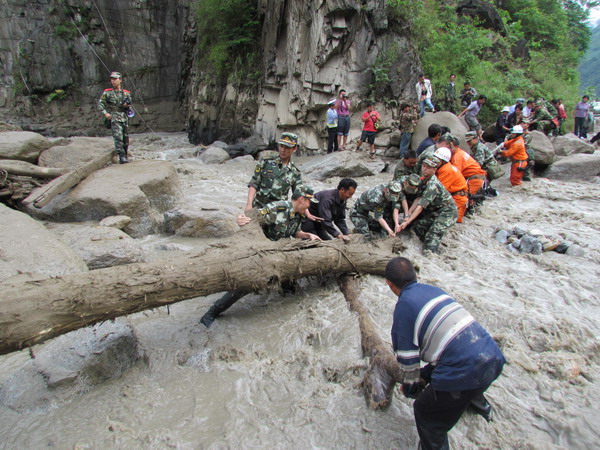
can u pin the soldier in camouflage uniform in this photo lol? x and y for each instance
(434, 211)
(274, 177)
(279, 220)
(115, 104)
(484, 156)
(450, 95)
(406, 165)
(530, 155)
(542, 119)
(376, 209)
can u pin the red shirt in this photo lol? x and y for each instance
(368, 122)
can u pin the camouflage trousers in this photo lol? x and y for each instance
(432, 226)
(120, 132)
(368, 226)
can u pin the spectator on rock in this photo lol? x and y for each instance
(581, 112)
(332, 127)
(371, 120)
(408, 121)
(450, 95)
(424, 94)
(501, 129)
(470, 113)
(467, 94)
(342, 105)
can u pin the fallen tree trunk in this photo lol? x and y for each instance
(31, 170)
(383, 372)
(33, 311)
(42, 196)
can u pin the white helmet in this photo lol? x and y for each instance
(517, 129)
(443, 153)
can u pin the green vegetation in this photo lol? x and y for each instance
(67, 31)
(589, 70)
(554, 31)
(58, 94)
(228, 36)
(381, 71)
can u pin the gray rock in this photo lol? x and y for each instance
(443, 118)
(22, 145)
(516, 244)
(119, 222)
(575, 250)
(529, 243)
(519, 231)
(250, 146)
(342, 164)
(575, 167)
(512, 249)
(78, 151)
(70, 365)
(563, 247)
(219, 144)
(99, 246)
(240, 159)
(502, 236)
(214, 155)
(142, 190)
(570, 144)
(543, 148)
(26, 246)
(201, 224)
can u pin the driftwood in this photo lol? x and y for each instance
(33, 311)
(42, 196)
(384, 371)
(31, 170)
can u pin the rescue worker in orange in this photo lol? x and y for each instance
(452, 180)
(514, 148)
(469, 168)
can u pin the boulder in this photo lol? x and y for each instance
(249, 146)
(214, 155)
(342, 164)
(570, 144)
(241, 159)
(99, 246)
(142, 190)
(76, 152)
(443, 118)
(9, 127)
(580, 167)
(26, 246)
(201, 224)
(543, 148)
(70, 365)
(22, 145)
(119, 222)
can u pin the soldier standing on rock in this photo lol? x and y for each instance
(115, 104)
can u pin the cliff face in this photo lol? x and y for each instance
(72, 45)
(310, 49)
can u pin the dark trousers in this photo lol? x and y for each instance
(580, 128)
(332, 144)
(436, 412)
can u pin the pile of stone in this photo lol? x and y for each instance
(519, 240)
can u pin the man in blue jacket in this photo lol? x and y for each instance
(463, 359)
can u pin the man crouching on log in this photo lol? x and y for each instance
(463, 359)
(279, 220)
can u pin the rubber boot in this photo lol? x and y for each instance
(220, 306)
(123, 159)
(481, 406)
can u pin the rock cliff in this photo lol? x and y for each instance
(56, 56)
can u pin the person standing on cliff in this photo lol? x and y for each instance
(424, 94)
(342, 105)
(371, 120)
(450, 95)
(332, 127)
(115, 104)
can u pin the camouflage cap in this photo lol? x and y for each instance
(447, 137)
(115, 75)
(413, 180)
(394, 189)
(471, 135)
(288, 139)
(432, 161)
(306, 191)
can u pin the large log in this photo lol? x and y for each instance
(40, 197)
(383, 372)
(31, 170)
(33, 311)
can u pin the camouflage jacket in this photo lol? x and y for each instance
(402, 170)
(450, 91)
(373, 202)
(279, 220)
(542, 114)
(408, 121)
(527, 137)
(551, 109)
(273, 180)
(481, 153)
(433, 196)
(111, 102)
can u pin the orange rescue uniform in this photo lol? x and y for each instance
(456, 184)
(515, 150)
(470, 169)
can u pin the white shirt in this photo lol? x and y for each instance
(426, 86)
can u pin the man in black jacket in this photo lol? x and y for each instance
(332, 209)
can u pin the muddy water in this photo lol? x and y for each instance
(283, 371)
